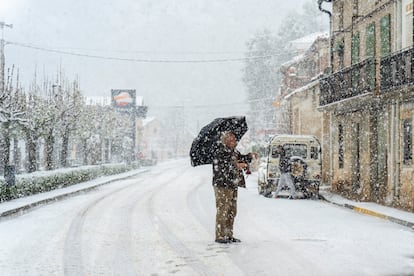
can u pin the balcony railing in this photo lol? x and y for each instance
(396, 70)
(349, 82)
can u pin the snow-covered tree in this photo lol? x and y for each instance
(70, 103)
(12, 102)
(34, 129)
(100, 131)
(261, 77)
(266, 52)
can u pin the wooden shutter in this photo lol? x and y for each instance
(370, 41)
(385, 35)
(355, 48)
(370, 53)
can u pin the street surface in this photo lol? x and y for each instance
(161, 222)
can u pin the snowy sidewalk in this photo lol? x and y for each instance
(370, 208)
(22, 204)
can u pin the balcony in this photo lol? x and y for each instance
(396, 70)
(352, 81)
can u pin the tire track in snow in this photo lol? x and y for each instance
(175, 243)
(72, 257)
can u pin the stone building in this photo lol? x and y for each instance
(299, 90)
(368, 101)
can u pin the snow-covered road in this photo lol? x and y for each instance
(162, 222)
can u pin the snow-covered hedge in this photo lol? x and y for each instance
(38, 182)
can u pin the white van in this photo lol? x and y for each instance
(305, 155)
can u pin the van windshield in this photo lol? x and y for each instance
(299, 150)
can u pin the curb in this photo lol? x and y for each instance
(372, 213)
(22, 209)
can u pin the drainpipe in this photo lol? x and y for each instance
(331, 38)
(397, 149)
(397, 11)
(331, 46)
(331, 137)
(392, 154)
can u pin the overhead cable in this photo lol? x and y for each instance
(139, 60)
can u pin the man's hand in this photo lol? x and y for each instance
(241, 165)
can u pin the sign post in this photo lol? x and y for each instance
(124, 101)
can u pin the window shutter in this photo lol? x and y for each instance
(370, 53)
(370, 41)
(355, 48)
(385, 35)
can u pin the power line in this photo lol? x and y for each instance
(155, 52)
(140, 60)
(212, 105)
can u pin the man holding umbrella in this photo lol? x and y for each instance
(228, 164)
(216, 144)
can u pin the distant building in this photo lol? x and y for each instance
(298, 101)
(151, 146)
(299, 91)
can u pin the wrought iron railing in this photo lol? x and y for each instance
(355, 80)
(396, 70)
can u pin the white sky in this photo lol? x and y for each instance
(143, 29)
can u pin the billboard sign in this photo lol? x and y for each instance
(123, 100)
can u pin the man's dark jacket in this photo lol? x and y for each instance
(225, 172)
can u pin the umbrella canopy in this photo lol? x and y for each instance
(208, 139)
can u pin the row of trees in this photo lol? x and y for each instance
(44, 124)
(261, 75)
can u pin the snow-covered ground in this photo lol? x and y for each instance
(161, 222)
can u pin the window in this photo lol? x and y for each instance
(385, 35)
(314, 153)
(370, 53)
(407, 142)
(340, 146)
(355, 48)
(340, 49)
(299, 150)
(355, 59)
(370, 40)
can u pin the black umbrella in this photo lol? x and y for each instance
(208, 139)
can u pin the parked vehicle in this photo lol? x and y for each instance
(305, 156)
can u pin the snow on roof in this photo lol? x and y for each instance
(293, 137)
(303, 43)
(293, 60)
(301, 89)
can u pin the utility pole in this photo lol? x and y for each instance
(2, 61)
(9, 171)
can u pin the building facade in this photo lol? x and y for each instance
(368, 102)
(300, 91)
